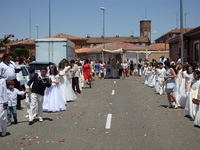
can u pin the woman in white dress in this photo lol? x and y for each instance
(182, 93)
(193, 93)
(152, 77)
(146, 74)
(53, 98)
(178, 70)
(63, 78)
(65, 82)
(150, 74)
(188, 80)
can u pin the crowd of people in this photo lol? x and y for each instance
(180, 82)
(54, 86)
(49, 90)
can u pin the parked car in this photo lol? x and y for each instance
(22, 76)
(37, 65)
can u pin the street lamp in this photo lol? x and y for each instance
(103, 8)
(185, 18)
(36, 25)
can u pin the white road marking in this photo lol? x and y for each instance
(114, 81)
(113, 92)
(108, 122)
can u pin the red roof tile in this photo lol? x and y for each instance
(66, 36)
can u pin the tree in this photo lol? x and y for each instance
(149, 41)
(20, 52)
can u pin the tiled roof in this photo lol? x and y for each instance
(115, 46)
(160, 46)
(22, 42)
(179, 30)
(195, 30)
(66, 36)
(174, 31)
(117, 39)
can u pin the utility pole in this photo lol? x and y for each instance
(181, 27)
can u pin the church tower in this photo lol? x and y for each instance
(145, 28)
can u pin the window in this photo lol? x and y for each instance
(196, 51)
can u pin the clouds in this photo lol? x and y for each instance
(155, 31)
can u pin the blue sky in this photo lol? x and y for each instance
(83, 17)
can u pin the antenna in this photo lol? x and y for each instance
(145, 11)
(30, 23)
(176, 18)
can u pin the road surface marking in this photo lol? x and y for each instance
(113, 92)
(108, 122)
(114, 81)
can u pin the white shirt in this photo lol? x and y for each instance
(7, 71)
(3, 92)
(161, 73)
(12, 96)
(124, 65)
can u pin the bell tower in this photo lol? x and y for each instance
(145, 28)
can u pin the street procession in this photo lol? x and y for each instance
(130, 80)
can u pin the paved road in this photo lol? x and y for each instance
(115, 114)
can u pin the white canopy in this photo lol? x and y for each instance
(112, 51)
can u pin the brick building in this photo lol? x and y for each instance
(191, 46)
(171, 34)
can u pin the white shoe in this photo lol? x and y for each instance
(3, 133)
(27, 116)
(176, 106)
(40, 119)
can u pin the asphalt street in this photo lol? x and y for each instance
(115, 114)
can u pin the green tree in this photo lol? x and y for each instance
(20, 52)
(149, 41)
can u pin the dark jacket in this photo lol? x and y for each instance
(39, 85)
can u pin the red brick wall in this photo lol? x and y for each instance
(192, 39)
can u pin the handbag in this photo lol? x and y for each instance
(170, 85)
(195, 101)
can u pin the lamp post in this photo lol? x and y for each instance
(36, 25)
(103, 9)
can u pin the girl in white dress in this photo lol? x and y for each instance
(182, 93)
(161, 74)
(65, 82)
(81, 77)
(178, 70)
(53, 97)
(193, 93)
(157, 85)
(146, 74)
(69, 93)
(152, 77)
(188, 81)
(63, 78)
(150, 74)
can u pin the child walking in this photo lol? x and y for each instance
(12, 101)
(53, 97)
(28, 95)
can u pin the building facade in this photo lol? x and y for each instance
(191, 50)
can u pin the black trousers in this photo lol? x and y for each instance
(17, 86)
(75, 83)
(120, 72)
